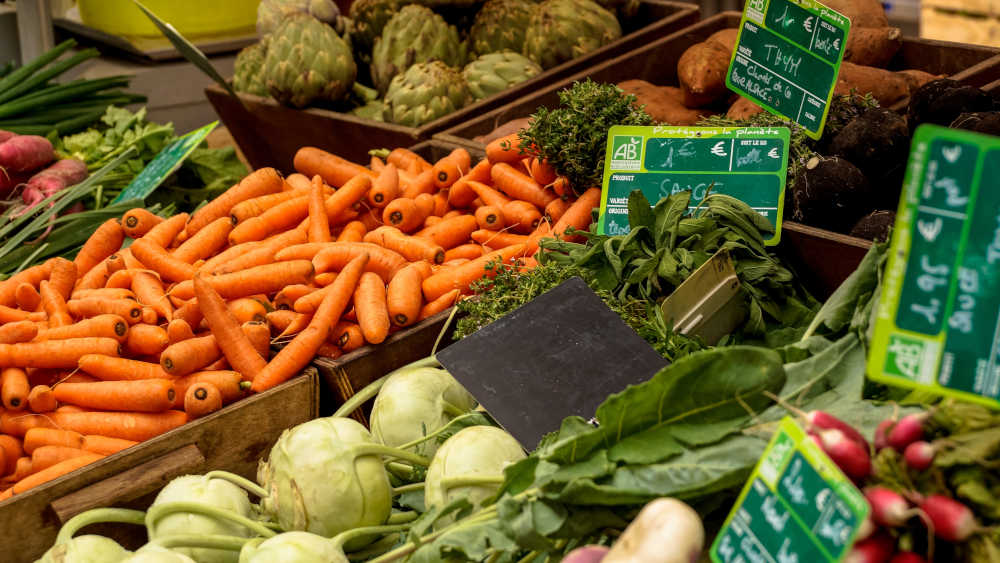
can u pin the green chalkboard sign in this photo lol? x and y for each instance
(938, 324)
(164, 164)
(797, 506)
(787, 59)
(747, 163)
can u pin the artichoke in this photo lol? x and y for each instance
(248, 73)
(370, 17)
(270, 13)
(499, 25)
(561, 30)
(425, 92)
(374, 109)
(414, 35)
(493, 73)
(307, 61)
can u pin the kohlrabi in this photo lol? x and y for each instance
(153, 553)
(91, 548)
(292, 547)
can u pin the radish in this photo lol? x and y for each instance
(25, 153)
(586, 554)
(889, 508)
(6, 135)
(876, 549)
(919, 455)
(826, 421)
(849, 455)
(907, 557)
(953, 521)
(882, 433)
(866, 529)
(55, 178)
(909, 429)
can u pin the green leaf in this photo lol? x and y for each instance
(640, 213)
(971, 448)
(839, 309)
(653, 446)
(668, 212)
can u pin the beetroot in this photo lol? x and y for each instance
(953, 521)
(55, 178)
(25, 153)
(909, 429)
(919, 455)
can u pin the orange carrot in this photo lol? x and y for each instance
(440, 304)
(63, 276)
(304, 251)
(105, 293)
(293, 357)
(405, 159)
(105, 445)
(208, 241)
(578, 215)
(47, 456)
(233, 252)
(542, 172)
(297, 181)
(347, 336)
(94, 306)
(14, 388)
(135, 426)
(201, 399)
(177, 330)
(490, 218)
(286, 298)
(258, 205)
(449, 169)
(188, 356)
(324, 279)
(259, 335)
(266, 279)
(404, 297)
(115, 263)
(18, 331)
(461, 277)
(27, 297)
(97, 277)
(469, 251)
(422, 183)
(460, 194)
(450, 232)
(430, 222)
(40, 437)
(406, 214)
(345, 197)
(233, 342)
(370, 307)
(498, 239)
(258, 183)
(261, 254)
(149, 291)
(107, 326)
(146, 340)
(319, 223)
(562, 188)
(10, 315)
(370, 217)
(248, 309)
(352, 232)
(283, 319)
(518, 185)
(156, 258)
(22, 470)
(521, 216)
(308, 303)
(122, 279)
(147, 395)
(505, 149)
(489, 195)
(17, 424)
(334, 170)
(229, 383)
(41, 399)
(279, 218)
(54, 472)
(105, 241)
(329, 350)
(108, 368)
(11, 446)
(385, 188)
(411, 248)
(383, 262)
(555, 209)
(137, 222)
(33, 275)
(376, 164)
(164, 233)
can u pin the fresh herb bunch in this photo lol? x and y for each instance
(573, 137)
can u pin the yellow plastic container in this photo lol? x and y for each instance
(189, 17)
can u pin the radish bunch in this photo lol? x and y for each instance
(25, 162)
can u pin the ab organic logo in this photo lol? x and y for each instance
(626, 153)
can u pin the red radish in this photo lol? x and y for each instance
(586, 554)
(907, 557)
(5, 135)
(909, 429)
(889, 508)
(826, 421)
(25, 153)
(882, 433)
(919, 455)
(55, 178)
(852, 459)
(866, 529)
(876, 549)
(953, 521)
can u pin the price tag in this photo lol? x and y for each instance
(787, 59)
(797, 507)
(164, 164)
(750, 164)
(938, 324)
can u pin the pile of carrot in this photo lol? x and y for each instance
(128, 341)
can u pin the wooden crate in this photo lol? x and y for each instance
(269, 134)
(232, 439)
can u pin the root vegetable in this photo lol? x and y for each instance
(877, 225)
(882, 433)
(953, 521)
(907, 557)
(908, 430)
(850, 456)
(917, 78)
(5, 135)
(586, 554)
(942, 101)
(987, 122)
(876, 549)
(885, 86)
(743, 108)
(660, 103)
(665, 531)
(873, 46)
(25, 153)
(919, 455)
(829, 193)
(863, 13)
(54, 179)
(826, 421)
(889, 508)
(508, 128)
(701, 71)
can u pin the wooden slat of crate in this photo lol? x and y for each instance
(232, 439)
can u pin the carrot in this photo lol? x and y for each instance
(370, 217)
(489, 195)
(324, 279)
(137, 222)
(330, 351)
(248, 309)
(97, 277)
(190, 355)
(115, 263)
(18, 331)
(556, 209)
(10, 315)
(404, 297)
(422, 183)
(209, 240)
(441, 205)
(440, 304)
(449, 169)
(33, 275)
(104, 242)
(177, 330)
(108, 368)
(105, 293)
(201, 399)
(63, 276)
(54, 472)
(370, 307)
(347, 336)
(258, 205)
(261, 254)
(462, 276)
(257, 183)
(518, 185)
(122, 279)
(505, 149)
(40, 437)
(234, 343)
(89, 307)
(498, 239)
(146, 340)
(411, 248)
(293, 357)
(385, 188)
(578, 215)
(14, 388)
(27, 297)
(469, 251)
(22, 469)
(460, 194)
(279, 218)
(105, 445)
(352, 232)
(304, 251)
(455, 262)
(125, 425)
(282, 319)
(521, 216)
(319, 223)
(345, 197)
(42, 399)
(450, 232)
(334, 170)
(376, 164)
(147, 395)
(149, 292)
(430, 221)
(11, 447)
(233, 252)
(47, 456)
(541, 171)
(562, 188)
(266, 279)
(156, 258)
(297, 181)
(229, 383)
(406, 214)
(259, 335)
(286, 298)
(164, 232)
(489, 217)
(383, 261)
(405, 159)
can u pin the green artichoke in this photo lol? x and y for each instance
(270, 13)
(493, 73)
(248, 73)
(370, 17)
(307, 61)
(425, 92)
(414, 35)
(500, 25)
(561, 30)
(374, 109)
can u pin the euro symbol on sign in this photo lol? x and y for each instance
(808, 24)
(719, 150)
(773, 153)
(836, 44)
(951, 154)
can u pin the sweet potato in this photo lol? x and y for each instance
(862, 13)
(512, 126)
(873, 46)
(725, 37)
(885, 86)
(701, 71)
(743, 108)
(662, 103)
(917, 78)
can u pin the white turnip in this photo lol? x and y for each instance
(665, 531)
